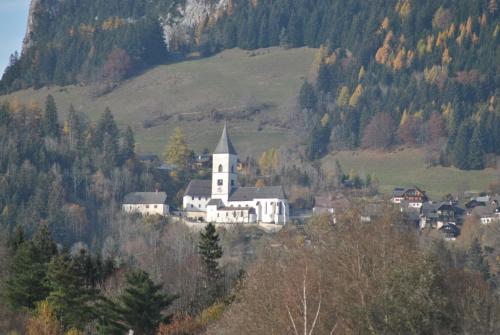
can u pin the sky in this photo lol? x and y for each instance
(13, 21)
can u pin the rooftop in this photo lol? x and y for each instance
(225, 146)
(250, 193)
(140, 198)
(199, 188)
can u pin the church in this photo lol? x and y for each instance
(221, 200)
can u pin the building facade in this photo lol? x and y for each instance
(146, 203)
(221, 200)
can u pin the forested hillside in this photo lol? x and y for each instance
(426, 73)
(82, 41)
(388, 72)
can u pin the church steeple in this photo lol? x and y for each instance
(225, 146)
(224, 161)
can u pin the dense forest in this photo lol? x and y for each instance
(76, 41)
(64, 241)
(387, 72)
(426, 72)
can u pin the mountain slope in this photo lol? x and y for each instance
(253, 88)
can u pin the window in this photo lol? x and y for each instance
(232, 182)
(232, 168)
(191, 205)
(155, 206)
(199, 198)
(279, 207)
(192, 197)
(147, 206)
(242, 213)
(234, 214)
(220, 167)
(220, 182)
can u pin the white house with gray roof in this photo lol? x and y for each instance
(146, 203)
(220, 200)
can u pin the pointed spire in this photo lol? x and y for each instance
(225, 146)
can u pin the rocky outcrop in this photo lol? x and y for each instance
(36, 6)
(180, 26)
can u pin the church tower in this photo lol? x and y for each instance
(224, 175)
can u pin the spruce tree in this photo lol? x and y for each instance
(476, 152)
(140, 308)
(307, 96)
(210, 252)
(26, 285)
(50, 123)
(68, 290)
(128, 145)
(461, 148)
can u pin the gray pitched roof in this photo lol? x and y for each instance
(140, 198)
(225, 146)
(215, 202)
(199, 188)
(250, 193)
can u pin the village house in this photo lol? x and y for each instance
(413, 196)
(435, 215)
(221, 200)
(146, 203)
(330, 204)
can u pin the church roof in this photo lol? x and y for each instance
(250, 193)
(199, 188)
(144, 198)
(225, 146)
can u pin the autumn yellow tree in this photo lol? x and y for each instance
(177, 151)
(446, 59)
(44, 321)
(354, 100)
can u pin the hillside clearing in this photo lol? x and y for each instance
(185, 93)
(407, 168)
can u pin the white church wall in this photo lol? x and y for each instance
(193, 203)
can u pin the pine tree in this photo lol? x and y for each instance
(476, 152)
(26, 285)
(128, 145)
(210, 252)
(68, 290)
(461, 147)
(106, 126)
(140, 308)
(50, 123)
(307, 96)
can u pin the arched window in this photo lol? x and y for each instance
(220, 167)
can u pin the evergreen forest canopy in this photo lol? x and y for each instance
(426, 72)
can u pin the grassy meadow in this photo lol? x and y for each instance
(407, 168)
(185, 93)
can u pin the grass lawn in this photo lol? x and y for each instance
(407, 168)
(229, 81)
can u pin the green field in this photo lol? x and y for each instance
(407, 168)
(227, 82)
